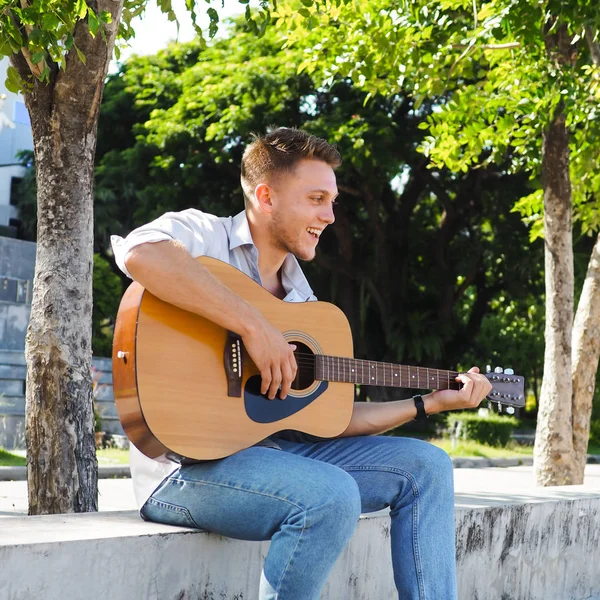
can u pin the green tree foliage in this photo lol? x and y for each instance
(411, 242)
(489, 66)
(517, 83)
(107, 294)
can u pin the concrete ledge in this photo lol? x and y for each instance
(104, 472)
(467, 462)
(543, 544)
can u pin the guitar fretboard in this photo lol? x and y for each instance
(366, 372)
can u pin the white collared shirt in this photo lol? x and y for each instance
(226, 238)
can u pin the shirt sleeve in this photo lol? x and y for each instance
(193, 228)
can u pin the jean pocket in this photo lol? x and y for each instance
(167, 513)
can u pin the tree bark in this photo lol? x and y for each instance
(586, 352)
(553, 452)
(61, 464)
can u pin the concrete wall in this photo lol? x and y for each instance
(537, 546)
(12, 399)
(17, 266)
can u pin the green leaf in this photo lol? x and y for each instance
(93, 22)
(50, 21)
(80, 54)
(13, 82)
(81, 8)
(38, 56)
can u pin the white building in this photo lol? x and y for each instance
(15, 135)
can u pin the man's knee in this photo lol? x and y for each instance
(340, 499)
(437, 463)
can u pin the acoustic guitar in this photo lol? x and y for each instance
(185, 385)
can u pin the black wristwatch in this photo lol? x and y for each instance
(421, 414)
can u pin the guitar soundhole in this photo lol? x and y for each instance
(305, 359)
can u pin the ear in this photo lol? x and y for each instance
(262, 193)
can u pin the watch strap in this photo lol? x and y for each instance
(420, 405)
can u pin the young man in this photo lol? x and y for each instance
(303, 495)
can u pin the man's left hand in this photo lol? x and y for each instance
(475, 388)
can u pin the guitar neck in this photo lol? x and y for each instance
(367, 372)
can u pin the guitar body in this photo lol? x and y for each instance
(170, 382)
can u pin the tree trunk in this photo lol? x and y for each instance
(586, 351)
(61, 465)
(553, 453)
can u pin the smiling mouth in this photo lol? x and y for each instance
(315, 233)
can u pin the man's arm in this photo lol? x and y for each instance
(371, 418)
(167, 270)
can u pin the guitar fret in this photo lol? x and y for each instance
(366, 372)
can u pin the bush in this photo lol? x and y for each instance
(493, 430)
(595, 432)
(107, 295)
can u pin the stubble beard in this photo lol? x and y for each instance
(283, 241)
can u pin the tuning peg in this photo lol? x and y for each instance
(498, 370)
(509, 372)
(499, 407)
(488, 368)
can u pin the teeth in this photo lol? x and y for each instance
(316, 232)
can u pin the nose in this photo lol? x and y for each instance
(327, 215)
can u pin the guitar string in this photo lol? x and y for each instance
(441, 377)
(310, 359)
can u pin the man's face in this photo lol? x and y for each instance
(302, 207)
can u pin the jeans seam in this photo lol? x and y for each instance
(298, 506)
(279, 583)
(415, 511)
(242, 489)
(175, 508)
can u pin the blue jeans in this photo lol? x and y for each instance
(307, 497)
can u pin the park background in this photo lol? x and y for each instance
(437, 255)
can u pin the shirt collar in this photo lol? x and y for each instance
(240, 231)
(292, 276)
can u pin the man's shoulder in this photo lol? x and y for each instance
(200, 216)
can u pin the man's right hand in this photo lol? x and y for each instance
(273, 356)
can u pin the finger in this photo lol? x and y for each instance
(467, 388)
(473, 370)
(293, 365)
(265, 376)
(275, 382)
(286, 381)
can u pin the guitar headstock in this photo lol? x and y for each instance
(508, 389)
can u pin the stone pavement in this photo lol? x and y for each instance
(472, 487)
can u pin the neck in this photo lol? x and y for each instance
(270, 257)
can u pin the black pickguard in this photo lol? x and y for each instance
(262, 410)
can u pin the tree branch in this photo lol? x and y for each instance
(592, 45)
(35, 69)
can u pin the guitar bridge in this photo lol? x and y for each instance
(232, 358)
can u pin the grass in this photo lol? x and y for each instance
(107, 456)
(7, 459)
(470, 448)
(114, 456)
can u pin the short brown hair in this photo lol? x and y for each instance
(279, 151)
